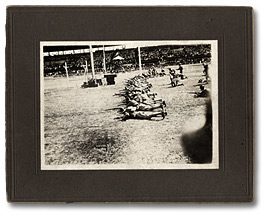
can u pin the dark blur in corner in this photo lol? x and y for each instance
(197, 145)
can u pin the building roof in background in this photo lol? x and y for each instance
(65, 48)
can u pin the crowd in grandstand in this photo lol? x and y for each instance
(159, 56)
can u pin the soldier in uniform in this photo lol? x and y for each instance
(203, 93)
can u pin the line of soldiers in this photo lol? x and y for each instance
(140, 102)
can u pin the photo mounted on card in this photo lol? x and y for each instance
(129, 105)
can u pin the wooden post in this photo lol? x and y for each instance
(66, 68)
(92, 63)
(140, 61)
(104, 60)
(85, 71)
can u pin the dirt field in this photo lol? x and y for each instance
(81, 126)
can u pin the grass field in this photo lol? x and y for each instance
(80, 125)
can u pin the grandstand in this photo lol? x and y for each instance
(132, 58)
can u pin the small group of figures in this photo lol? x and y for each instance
(140, 102)
(203, 81)
(152, 72)
(90, 83)
(177, 77)
(205, 74)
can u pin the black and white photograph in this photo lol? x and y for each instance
(129, 105)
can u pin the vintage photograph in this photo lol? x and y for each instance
(129, 105)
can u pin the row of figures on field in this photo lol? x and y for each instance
(152, 72)
(140, 102)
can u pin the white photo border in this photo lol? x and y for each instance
(145, 43)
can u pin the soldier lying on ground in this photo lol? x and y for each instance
(202, 81)
(142, 96)
(143, 115)
(203, 93)
(145, 106)
(141, 104)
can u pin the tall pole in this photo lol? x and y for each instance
(85, 71)
(92, 62)
(140, 61)
(66, 68)
(104, 60)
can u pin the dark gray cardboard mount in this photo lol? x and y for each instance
(231, 26)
